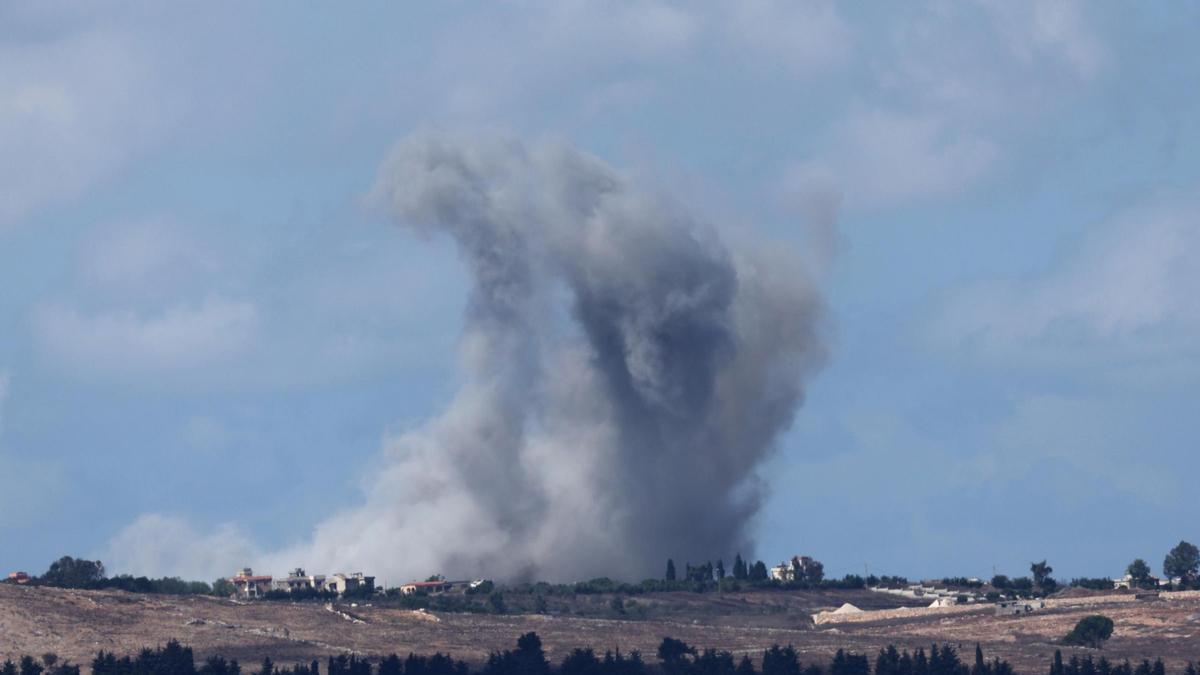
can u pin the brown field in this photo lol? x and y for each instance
(75, 624)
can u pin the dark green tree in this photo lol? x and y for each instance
(223, 588)
(814, 572)
(1139, 573)
(580, 662)
(746, 666)
(758, 572)
(1184, 562)
(529, 656)
(68, 572)
(496, 603)
(1056, 666)
(389, 665)
(1091, 631)
(1041, 577)
(29, 666)
(713, 662)
(1022, 585)
(780, 661)
(670, 570)
(739, 568)
(848, 663)
(674, 655)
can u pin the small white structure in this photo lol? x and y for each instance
(1018, 607)
(799, 567)
(341, 582)
(426, 587)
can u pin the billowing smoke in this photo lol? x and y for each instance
(625, 374)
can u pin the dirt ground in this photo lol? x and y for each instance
(75, 624)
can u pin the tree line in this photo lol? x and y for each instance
(1181, 565)
(674, 657)
(69, 572)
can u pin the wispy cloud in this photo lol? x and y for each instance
(72, 113)
(1126, 291)
(125, 342)
(949, 88)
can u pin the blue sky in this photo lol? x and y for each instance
(207, 334)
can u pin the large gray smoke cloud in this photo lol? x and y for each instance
(625, 373)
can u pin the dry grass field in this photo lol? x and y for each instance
(75, 624)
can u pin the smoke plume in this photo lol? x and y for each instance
(625, 372)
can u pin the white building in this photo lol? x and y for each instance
(298, 580)
(341, 582)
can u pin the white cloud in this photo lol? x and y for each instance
(1127, 291)
(951, 87)
(884, 158)
(143, 258)
(158, 545)
(73, 109)
(127, 343)
(803, 36)
(1058, 30)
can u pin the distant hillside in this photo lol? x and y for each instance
(75, 624)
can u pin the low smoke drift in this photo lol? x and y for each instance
(625, 372)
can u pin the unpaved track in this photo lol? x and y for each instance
(75, 624)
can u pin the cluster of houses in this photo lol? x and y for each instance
(1127, 582)
(249, 585)
(939, 597)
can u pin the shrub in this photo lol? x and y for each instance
(1091, 631)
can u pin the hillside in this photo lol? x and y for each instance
(75, 624)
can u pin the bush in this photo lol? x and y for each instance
(1091, 631)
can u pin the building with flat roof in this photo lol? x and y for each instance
(249, 585)
(299, 580)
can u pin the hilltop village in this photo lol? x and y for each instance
(247, 585)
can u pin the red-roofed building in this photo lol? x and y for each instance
(250, 586)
